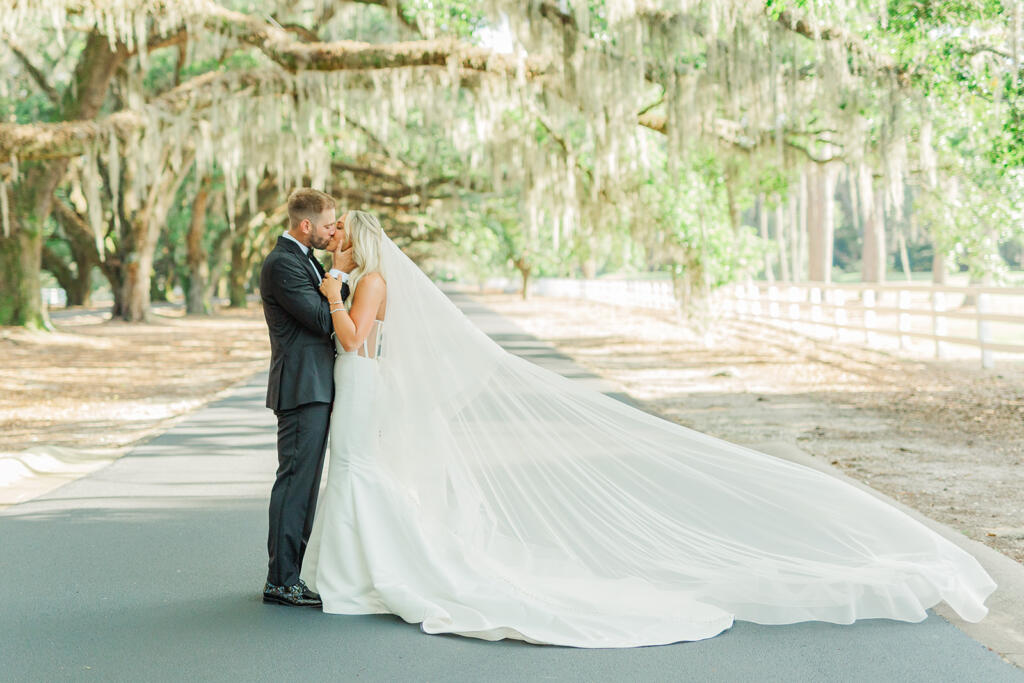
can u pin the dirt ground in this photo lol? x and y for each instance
(946, 438)
(106, 385)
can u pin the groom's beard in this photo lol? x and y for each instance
(319, 243)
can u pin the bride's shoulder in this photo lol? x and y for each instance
(374, 277)
(373, 281)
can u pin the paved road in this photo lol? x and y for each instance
(151, 569)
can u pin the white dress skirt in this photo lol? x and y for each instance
(369, 553)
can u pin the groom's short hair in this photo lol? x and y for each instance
(306, 202)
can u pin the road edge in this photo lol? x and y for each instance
(1002, 631)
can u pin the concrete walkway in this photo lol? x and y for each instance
(151, 568)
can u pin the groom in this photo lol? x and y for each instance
(301, 385)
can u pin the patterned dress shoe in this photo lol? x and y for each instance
(298, 595)
(307, 592)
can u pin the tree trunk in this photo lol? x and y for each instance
(984, 278)
(145, 231)
(815, 225)
(681, 289)
(524, 268)
(970, 300)
(873, 255)
(735, 219)
(238, 276)
(76, 285)
(780, 238)
(85, 260)
(135, 290)
(82, 242)
(762, 222)
(21, 252)
(939, 272)
(220, 255)
(805, 189)
(249, 239)
(820, 222)
(165, 266)
(115, 276)
(904, 256)
(196, 258)
(80, 237)
(588, 267)
(856, 208)
(81, 292)
(21, 300)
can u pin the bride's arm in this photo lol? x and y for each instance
(353, 327)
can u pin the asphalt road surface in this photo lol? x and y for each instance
(151, 569)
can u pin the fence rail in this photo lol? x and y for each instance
(893, 310)
(990, 319)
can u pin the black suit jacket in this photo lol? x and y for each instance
(299, 320)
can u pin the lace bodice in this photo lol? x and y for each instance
(371, 346)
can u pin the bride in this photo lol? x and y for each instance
(475, 493)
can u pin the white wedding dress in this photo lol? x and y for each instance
(475, 493)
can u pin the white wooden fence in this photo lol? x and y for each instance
(905, 311)
(857, 312)
(54, 297)
(655, 294)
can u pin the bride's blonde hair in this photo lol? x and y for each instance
(366, 234)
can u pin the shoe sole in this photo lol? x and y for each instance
(270, 600)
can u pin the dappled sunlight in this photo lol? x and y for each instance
(112, 383)
(73, 401)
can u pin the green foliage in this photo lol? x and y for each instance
(25, 102)
(163, 64)
(971, 221)
(486, 232)
(459, 18)
(953, 50)
(1007, 146)
(680, 219)
(686, 215)
(775, 8)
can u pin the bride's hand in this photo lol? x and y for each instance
(343, 260)
(331, 288)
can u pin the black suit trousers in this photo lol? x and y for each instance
(301, 443)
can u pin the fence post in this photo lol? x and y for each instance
(903, 301)
(840, 315)
(984, 333)
(869, 316)
(816, 309)
(795, 298)
(755, 294)
(773, 302)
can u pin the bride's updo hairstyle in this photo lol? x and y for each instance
(366, 234)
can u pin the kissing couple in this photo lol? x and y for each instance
(470, 491)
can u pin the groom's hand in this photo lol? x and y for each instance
(331, 289)
(343, 260)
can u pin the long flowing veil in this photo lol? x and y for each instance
(564, 491)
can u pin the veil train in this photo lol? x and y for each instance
(614, 527)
